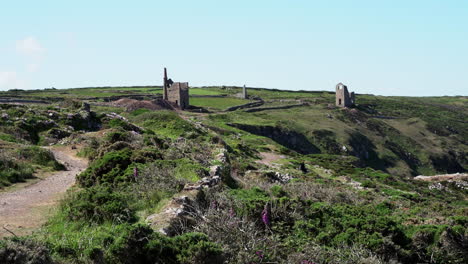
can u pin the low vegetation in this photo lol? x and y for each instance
(339, 189)
(17, 165)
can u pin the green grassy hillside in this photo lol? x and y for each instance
(301, 180)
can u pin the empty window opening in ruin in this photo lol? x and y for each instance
(339, 101)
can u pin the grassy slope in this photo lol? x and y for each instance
(392, 212)
(411, 123)
(434, 123)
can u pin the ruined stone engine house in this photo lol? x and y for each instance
(176, 92)
(343, 98)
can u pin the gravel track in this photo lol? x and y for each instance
(26, 209)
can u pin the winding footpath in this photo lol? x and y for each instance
(26, 209)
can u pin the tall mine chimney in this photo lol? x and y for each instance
(165, 84)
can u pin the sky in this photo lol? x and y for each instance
(384, 47)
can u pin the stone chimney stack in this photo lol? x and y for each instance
(244, 92)
(165, 85)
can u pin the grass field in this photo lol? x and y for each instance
(217, 103)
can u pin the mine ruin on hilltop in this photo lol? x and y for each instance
(176, 92)
(343, 98)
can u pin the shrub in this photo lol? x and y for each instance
(7, 137)
(115, 136)
(23, 250)
(166, 123)
(254, 199)
(98, 204)
(146, 155)
(127, 243)
(39, 156)
(12, 171)
(131, 246)
(109, 168)
(195, 248)
(158, 181)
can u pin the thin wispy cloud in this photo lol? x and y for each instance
(11, 80)
(32, 67)
(33, 51)
(30, 46)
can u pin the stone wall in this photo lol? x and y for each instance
(178, 94)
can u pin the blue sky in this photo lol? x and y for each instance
(380, 47)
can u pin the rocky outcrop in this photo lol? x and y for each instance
(128, 125)
(84, 120)
(179, 210)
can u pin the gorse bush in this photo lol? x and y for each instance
(166, 123)
(296, 219)
(17, 165)
(12, 171)
(24, 250)
(119, 123)
(117, 135)
(108, 169)
(343, 224)
(98, 204)
(128, 243)
(39, 156)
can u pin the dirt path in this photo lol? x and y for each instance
(25, 209)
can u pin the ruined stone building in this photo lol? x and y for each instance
(176, 92)
(244, 93)
(343, 98)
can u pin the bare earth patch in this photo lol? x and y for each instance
(23, 210)
(268, 158)
(443, 177)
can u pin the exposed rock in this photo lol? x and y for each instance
(129, 125)
(277, 177)
(84, 120)
(442, 177)
(351, 182)
(166, 221)
(58, 133)
(179, 209)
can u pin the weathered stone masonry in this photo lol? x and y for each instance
(176, 92)
(343, 98)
